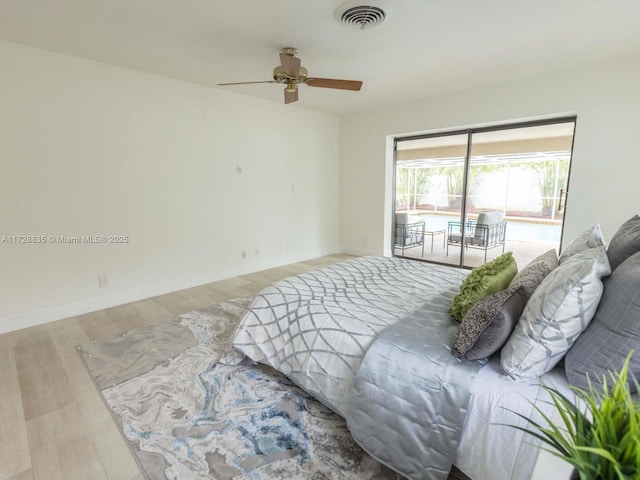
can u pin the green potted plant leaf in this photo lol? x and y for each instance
(599, 431)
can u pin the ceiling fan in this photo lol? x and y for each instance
(291, 74)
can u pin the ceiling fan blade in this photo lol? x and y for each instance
(244, 83)
(354, 85)
(290, 65)
(290, 96)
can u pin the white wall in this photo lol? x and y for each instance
(606, 164)
(92, 149)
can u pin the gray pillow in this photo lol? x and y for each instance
(625, 242)
(531, 276)
(488, 324)
(614, 331)
(587, 239)
(557, 312)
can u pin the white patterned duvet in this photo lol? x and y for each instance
(316, 327)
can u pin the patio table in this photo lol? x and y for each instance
(433, 233)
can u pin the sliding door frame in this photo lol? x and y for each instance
(469, 132)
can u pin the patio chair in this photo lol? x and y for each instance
(409, 232)
(487, 232)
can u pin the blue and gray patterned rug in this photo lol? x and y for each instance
(190, 407)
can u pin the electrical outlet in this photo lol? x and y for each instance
(257, 251)
(244, 254)
(239, 169)
(103, 280)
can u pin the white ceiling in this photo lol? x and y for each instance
(426, 48)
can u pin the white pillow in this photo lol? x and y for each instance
(587, 239)
(557, 312)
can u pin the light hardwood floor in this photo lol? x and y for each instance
(53, 423)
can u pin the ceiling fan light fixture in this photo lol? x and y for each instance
(291, 74)
(360, 16)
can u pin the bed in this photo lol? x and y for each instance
(370, 338)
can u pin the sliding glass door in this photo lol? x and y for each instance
(465, 197)
(430, 175)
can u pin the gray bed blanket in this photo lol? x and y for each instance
(410, 394)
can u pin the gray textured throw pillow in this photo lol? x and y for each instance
(557, 313)
(488, 324)
(614, 331)
(625, 242)
(588, 239)
(531, 276)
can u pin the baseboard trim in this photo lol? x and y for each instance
(32, 319)
(360, 251)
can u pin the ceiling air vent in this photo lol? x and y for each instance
(361, 17)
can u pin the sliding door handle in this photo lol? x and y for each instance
(560, 199)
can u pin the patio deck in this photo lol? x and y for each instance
(523, 252)
(526, 237)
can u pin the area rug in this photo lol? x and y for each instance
(190, 407)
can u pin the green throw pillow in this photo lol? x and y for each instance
(484, 280)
